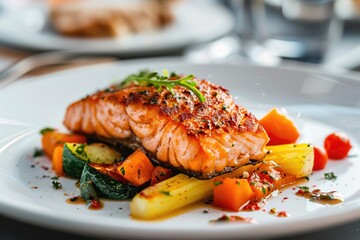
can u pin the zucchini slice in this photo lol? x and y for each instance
(74, 159)
(87, 191)
(75, 156)
(101, 153)
(106, 186)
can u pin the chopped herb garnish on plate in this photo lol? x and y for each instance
(122, 170)
(45, 130)
(330, 176)
(56, 184)
(167, 193)
(38, 153)
(304, 188)
(217, 183)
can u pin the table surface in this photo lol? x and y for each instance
(14, 230)
(11, 229)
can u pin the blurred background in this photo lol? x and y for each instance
(265, 32)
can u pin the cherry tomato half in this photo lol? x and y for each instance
(337, 145)
(320, 158)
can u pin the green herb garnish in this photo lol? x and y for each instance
(217, 183)
(56, 184)
(122, 170)
(330, 176)
(146, 78)
(45, 130)
(167, 193)
(38, 153)
(304, 188)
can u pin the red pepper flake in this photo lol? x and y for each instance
(45, 168)
(283, 214)
(254, 205)
(233, 218)
(95, 205)
(300, 192)
(284, 199)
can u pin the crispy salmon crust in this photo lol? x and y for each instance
(177, 130)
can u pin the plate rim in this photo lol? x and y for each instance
(340, 75)
(164, 234)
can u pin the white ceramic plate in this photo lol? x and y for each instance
(195, 22)
(318, 103)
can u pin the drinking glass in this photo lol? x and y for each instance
(294, 29)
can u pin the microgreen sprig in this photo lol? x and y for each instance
(145, 78)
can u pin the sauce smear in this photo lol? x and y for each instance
(233, 218)
(318, 196)
(93, 205)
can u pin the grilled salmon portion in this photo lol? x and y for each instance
(174, 128)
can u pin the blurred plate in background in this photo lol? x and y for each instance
(195, 22)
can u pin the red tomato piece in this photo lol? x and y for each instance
(337, 145)
(320, 158)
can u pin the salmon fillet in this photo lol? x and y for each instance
(174, 129)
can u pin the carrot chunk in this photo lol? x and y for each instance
(136, 168)
(160, 174)
(232, 193)
(57, 161)
(280, 128)
(51, 139)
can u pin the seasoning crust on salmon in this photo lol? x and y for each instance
(174, 128)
